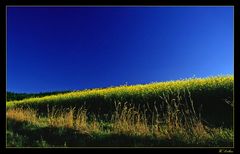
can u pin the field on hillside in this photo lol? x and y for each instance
(191, 112)
(19, 96)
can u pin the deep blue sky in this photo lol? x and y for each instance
(73, 48)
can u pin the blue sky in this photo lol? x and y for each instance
(74, 48)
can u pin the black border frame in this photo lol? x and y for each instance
(234, 3)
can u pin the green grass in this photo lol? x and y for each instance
(57, 137)
(127, 128)
(208, 94)
(11, 96)
(191, 112)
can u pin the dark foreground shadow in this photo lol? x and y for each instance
(60, 137)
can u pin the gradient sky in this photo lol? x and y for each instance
(74, 48)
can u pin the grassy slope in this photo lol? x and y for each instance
(26, 128)
(22, 134)
(209, 96)
(127, 128)
(11, 96)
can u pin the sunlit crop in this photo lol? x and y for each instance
(196, 111)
